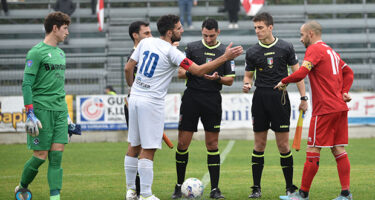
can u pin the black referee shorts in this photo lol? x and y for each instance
(195, 104)
(270, 110)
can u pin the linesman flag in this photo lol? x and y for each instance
(100, 14)
(252, 6)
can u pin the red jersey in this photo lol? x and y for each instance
(326, 79)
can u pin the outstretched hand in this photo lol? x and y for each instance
(280, 86)
(233, 52)
(214, 76)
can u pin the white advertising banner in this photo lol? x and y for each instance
(12, 114)
(106, 112)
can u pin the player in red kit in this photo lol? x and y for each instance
(330, 79)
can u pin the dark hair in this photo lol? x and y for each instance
(210, 24)
(264, 17)
(166, 23)
(135, 27)
(55, 18)
(110, 88)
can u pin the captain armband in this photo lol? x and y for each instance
(186, 63)
(308, 65)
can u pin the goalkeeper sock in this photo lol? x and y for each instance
(55, 172)
(257, 163)
(131, 168)
(213, 162)
(343, 168)
(146, 174)
(182, 158)
(286, 162)
(30, 170)
(310, 169)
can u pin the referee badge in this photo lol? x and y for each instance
(270, 62)
(208, 60)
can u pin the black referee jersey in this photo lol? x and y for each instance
(135, 68)
(201, 53)
(270, 62)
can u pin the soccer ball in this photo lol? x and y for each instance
(192, 188)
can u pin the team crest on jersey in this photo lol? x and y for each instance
(208, 60)
(36, 141)
(270, 60)
(50, 55)
(62, 55)
(29, 63)
(232, 65)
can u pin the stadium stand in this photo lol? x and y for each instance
(348, 27)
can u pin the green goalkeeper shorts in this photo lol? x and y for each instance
(55, 129)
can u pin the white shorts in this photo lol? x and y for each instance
(146, 122)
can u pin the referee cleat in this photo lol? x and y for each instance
(216, 194)
(256, 193)
(131, 195)
(22, 193)
(349, 197)
(292, 189)
(177, 192)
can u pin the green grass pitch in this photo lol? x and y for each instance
(94, 171)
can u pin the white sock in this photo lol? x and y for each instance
(131, 167)
(146, 175)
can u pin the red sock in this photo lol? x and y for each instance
(310, 169)
(343, 167)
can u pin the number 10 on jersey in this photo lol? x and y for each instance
(149, 59)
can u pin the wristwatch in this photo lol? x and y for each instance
(304, 98)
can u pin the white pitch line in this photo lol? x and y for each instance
(228, 148)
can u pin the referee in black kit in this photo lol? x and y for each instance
(269, 60)
(202, 99)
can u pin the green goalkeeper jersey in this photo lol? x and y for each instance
(47, 64)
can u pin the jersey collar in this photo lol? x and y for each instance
(213, 47)
(269, 45)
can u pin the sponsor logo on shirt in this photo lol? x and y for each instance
(29, 63)
(209, 54)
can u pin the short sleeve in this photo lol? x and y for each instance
(135, 55)
(32, 64)
(312, 55)
(292, 56)
(176, 56)
(249, 62)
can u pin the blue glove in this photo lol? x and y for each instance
(73, 128)
(32, 123)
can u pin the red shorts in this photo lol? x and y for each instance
(328, 130)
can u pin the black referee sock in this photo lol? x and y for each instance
(182, 158)
(286, 162)
(213, 162)
(257, 163)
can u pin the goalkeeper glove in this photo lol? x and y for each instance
(73, 128)
(32, 123)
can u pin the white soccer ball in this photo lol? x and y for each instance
(192, 188)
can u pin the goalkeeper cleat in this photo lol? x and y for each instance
(177, 192)
(216, 194)
(22, 193)
(256, 193)
(349, 197)
(131, 195)
(152, 197)
(290, 190)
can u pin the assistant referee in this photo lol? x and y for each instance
(269, 59)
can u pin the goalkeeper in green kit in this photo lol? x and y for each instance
(48, 120)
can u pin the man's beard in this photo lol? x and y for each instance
(175, 38)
